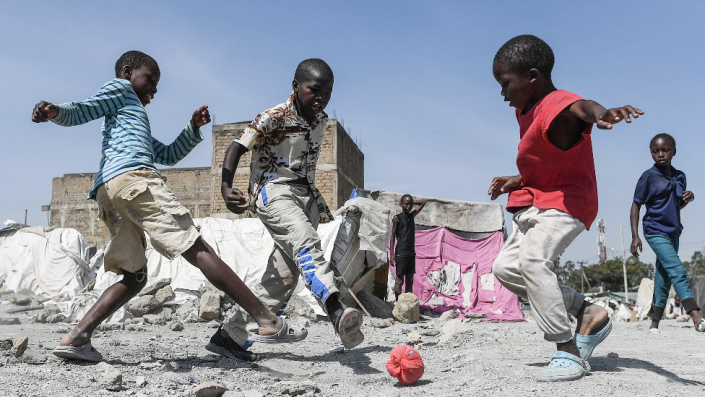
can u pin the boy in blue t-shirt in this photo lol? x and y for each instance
(662, 189)
(134, 200)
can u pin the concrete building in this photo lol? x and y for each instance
(340, 169)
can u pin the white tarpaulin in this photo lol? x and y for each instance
(47, 261)
(245, 246)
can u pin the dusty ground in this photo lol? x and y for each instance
(486, 359)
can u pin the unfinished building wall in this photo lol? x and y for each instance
(70, 207)
(340, 166)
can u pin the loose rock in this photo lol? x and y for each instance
(143, 305)
(210, 306)
(612, 355)
(156, 286)
(188, 312)
(208, 389)
(176, 326)
(140, 381)
(9, 321)
(164, 294)
(55, 318)
(17, 299)
(297, 308)
(154, 319)
(407, 308)
(108, 376)
(19, 348)
(447, 316)
(414, 337)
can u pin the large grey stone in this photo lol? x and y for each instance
(210, 306)
(176, 326)
(407, 308)
(298, 308)
(156, 286)
(188, 312)
(375, 306)
(143, 305)
(108, 377)
(164, 294)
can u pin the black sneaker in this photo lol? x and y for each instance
(227, 347)
(347, 323)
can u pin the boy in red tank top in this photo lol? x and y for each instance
(553, 199)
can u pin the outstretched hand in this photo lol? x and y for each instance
(44, 111)
(615, 115)
(504, 184)
(201, 117)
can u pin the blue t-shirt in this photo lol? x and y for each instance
(662, 195)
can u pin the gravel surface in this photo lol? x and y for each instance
(461, 358)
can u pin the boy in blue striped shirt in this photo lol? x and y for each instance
(133, 199)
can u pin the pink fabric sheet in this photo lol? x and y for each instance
(434, 247)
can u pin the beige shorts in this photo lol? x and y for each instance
(137, 202)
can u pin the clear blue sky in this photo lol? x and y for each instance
(413, 84)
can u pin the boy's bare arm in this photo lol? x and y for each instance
(392, 239)
(635, 247)
(234, 199)
(688, 196)
(592, 112)
(504, 184)
(420, 204)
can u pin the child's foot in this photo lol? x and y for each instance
(222, 344)
(654, 331)
(75, 338)
(271, 327)
(347, 323)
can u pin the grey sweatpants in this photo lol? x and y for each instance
(525, 267)
(290, 214)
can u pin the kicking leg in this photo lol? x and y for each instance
(112, 299)
(202, 256)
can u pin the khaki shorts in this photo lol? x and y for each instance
(137, 202)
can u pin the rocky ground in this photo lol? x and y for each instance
(461, 358)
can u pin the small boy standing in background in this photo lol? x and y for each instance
(402, 252)
(134, 200)
(662, 189)
(554, 198)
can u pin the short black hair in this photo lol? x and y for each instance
(525, 52)
(310, 68)
(134, 59)
(405, 196)
(666, 137)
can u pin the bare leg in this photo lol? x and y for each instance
(397, 286)
(589, 317)
(696, 317)
(202, 256)
(409, 283)
(112, 299)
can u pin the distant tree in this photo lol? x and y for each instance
(696, 265)
(610, 273)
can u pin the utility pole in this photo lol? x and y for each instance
(624, 265)
(25, 217)
(582, 277)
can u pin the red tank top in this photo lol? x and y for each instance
(553, 178)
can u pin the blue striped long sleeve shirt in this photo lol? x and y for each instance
(128, 143)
